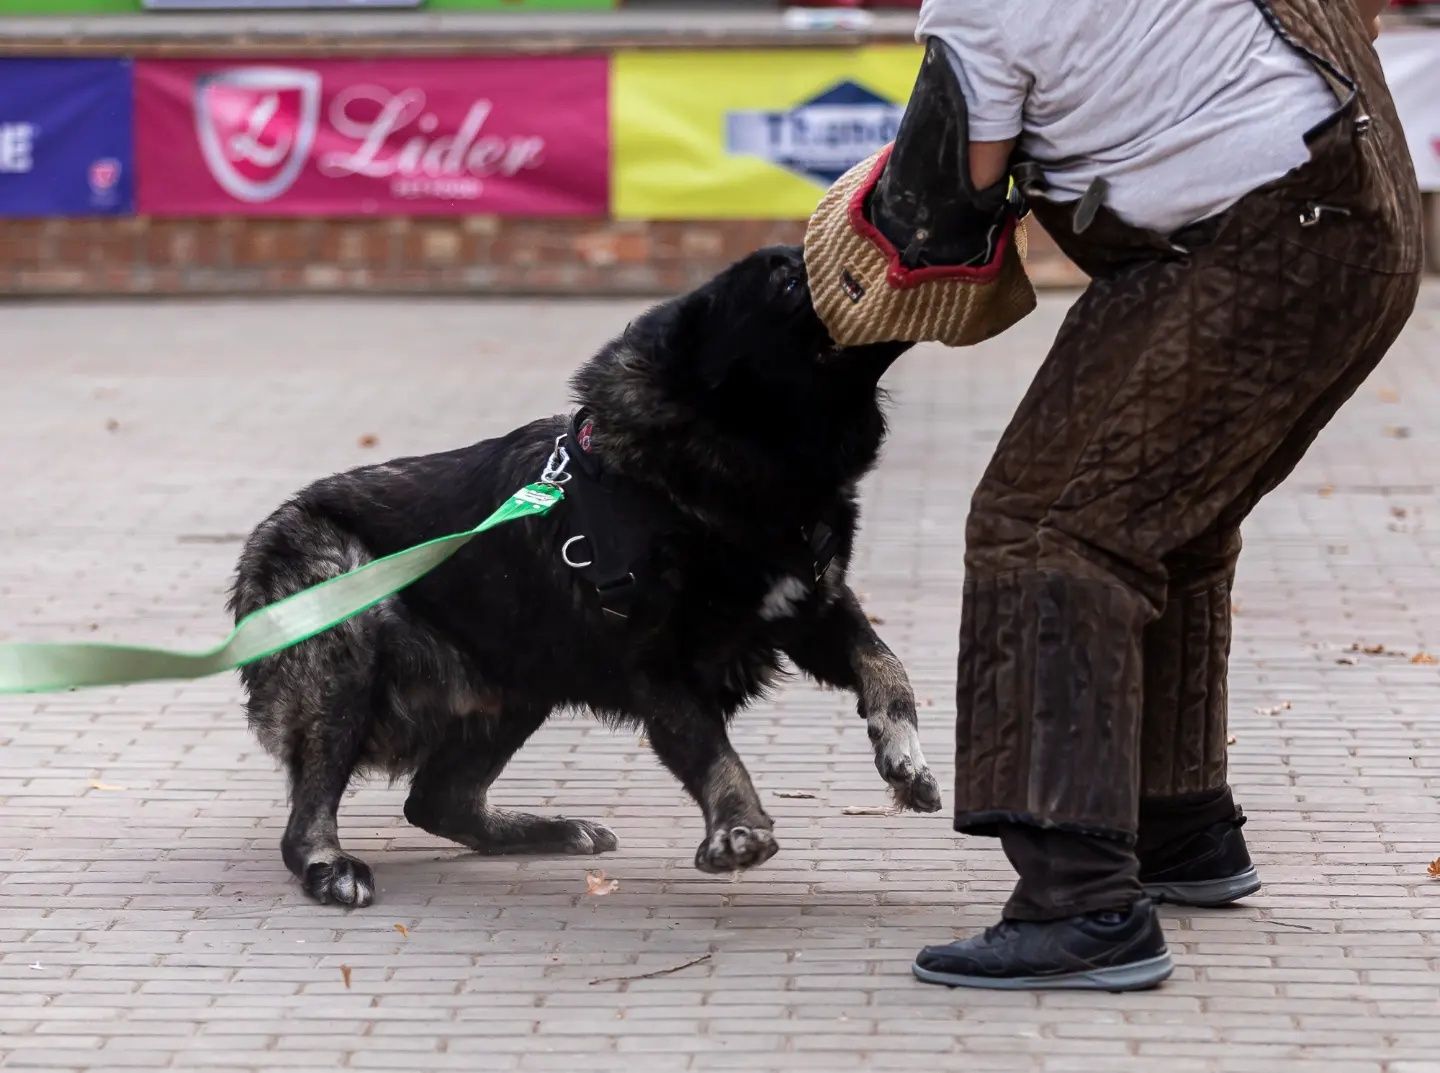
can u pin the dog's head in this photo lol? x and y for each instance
(743, 360)
(753, 323)
(752, 331)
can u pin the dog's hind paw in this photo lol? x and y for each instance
(732, 848)
(343, 881)
(587, 836)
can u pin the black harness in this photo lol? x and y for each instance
(617, 524)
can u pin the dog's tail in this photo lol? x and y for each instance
(291, 550)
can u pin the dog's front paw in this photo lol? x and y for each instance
(344, 881)
(901, 764)
(916, 790)
(732, 848)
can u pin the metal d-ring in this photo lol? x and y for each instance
(565, 554)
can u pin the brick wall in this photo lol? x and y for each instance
(477, 254)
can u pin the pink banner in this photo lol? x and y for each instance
(502, 136)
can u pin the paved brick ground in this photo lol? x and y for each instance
(146, 920)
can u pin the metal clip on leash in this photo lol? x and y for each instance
(557, 467)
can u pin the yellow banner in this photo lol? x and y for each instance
(749, 135)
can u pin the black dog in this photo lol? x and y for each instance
(710, 480)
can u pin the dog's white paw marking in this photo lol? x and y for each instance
(901, 763)
(784, 597)
(730, 849)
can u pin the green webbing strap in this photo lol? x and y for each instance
(45, 668)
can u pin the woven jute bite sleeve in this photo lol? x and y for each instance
(864, 294)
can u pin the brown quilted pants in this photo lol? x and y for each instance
(1101, 546)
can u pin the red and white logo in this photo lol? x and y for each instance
(505, 135)
(103, 175)
(256, 127)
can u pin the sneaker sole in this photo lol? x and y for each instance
(1136, 976)
(1207, 893)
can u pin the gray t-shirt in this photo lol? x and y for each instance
(1183, 106)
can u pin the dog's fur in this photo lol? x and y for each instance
(732, 407)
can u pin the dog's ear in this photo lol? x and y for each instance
(699, 343)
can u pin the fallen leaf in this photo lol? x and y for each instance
(1345, 661)
(1369, 650)
(1434, 870)
(345, 975)
(1397, 432)
(799, 795)
(1388, 394)
(1398, 512)
(111, 425)
(403, 930)
(869, 810)
(1275, 709)
(875, 620)
(1424, 658)
(1236, 608)
(369, 440)
(1230, 740)
(1325, 491)
(596, 885)
(96, 784)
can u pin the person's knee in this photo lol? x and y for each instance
(1000, 531)
(1205, 562)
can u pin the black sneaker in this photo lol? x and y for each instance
(1208, 869)
(1110, 951)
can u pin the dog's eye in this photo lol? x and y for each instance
(793, 284)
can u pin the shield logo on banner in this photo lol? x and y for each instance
(103, 175)
(256, 127)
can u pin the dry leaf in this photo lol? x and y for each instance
(1275, 709)
(1236, 607)
(875, 620)
(96, 784)
(799, 795)
(1345, 661)
(1434, 870)
(111, 425)
(1424, 659)
(403, 930)
(1230, 740)
(345, 975)
(369, 440)
(1398, 512)
(869, 810)
(1388, 394)
(598, 886)
(1369, 650)
(1325, 491)
(1397, 432)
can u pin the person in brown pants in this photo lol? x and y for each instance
(1209, 350)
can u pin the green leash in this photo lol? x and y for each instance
(47, 668)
